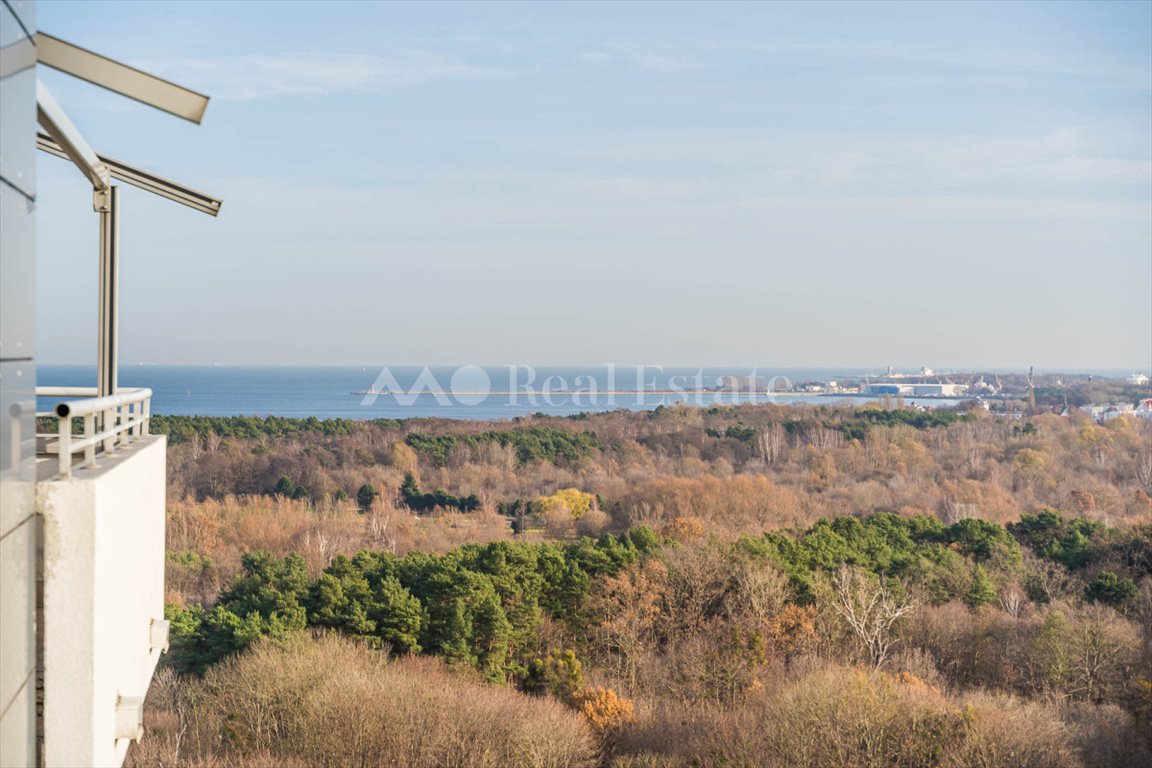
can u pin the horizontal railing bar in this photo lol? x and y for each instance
(75, 408)
(80, 443)
(107, 423)
(79, 391)
(66, 391)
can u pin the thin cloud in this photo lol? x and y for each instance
(1060, 163)
(940, 65)
(1064, 161)
(643, 59)
(247, 78)
(930, 210)
(1133, 74)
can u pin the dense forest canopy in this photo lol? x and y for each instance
(483, 604)
(689, 585)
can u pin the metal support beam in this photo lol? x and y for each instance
(54, 120)
(107, 357)
(130, 174)
(120, 78)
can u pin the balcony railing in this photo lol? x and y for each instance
(104, 423)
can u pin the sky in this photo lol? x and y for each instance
(817, 184)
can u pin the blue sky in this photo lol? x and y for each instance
(562, 183)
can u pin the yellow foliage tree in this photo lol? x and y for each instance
(683, 529)
(403, 457)
(572, 501)
(604, 710)
(1028, 460)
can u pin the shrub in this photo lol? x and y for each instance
(839, 717)
(366, 495)
(1004, 731)
(1110, 589)
(560, 675)
(329, 702)
(1106, 735)
(604, 710)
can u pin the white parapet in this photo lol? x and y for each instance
(103, 602)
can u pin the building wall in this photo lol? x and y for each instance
(19, 526)
(104, 624)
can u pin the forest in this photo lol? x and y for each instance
(741, 586)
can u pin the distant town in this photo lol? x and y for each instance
(1015, 393)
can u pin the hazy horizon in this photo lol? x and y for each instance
(828, 184)
(627, 368)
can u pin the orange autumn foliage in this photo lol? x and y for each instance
(604, 710)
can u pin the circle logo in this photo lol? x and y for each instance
(470, 385)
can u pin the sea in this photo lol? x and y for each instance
(458, 392)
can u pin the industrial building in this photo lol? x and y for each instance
(908, 389)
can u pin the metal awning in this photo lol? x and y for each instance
(62, 139)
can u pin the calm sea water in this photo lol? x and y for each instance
(469, 392)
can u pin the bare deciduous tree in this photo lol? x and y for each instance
(1013, 600)
(379, 527)
(1144, 468)
(954, 511)
(195, 446)
(824, 439)
(760, 591)
(771, 442)
(629, 607)
(870, 609)
(323, 544)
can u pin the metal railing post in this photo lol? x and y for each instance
(64, 447)
(108, 430)
(107, 353)
(90, 449)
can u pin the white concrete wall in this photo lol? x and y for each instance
(103, 588)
